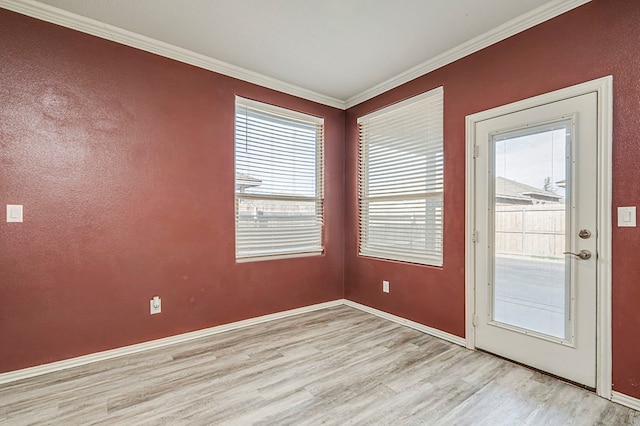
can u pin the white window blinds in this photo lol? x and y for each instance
(401, 181)
(278, 179)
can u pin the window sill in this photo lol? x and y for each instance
(279, 257)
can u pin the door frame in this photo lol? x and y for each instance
(603, 87)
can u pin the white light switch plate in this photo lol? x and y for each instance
(385, 286)
(627, 217)
(14, 212)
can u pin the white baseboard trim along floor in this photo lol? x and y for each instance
(25, 373)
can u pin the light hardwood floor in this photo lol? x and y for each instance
(335, 366)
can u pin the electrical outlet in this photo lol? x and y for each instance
(385, 286)
(155, 305)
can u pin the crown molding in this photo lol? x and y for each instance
(90, 26)
(86, 25)
(506, 30)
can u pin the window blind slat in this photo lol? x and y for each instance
(401, 167)
(279, 180)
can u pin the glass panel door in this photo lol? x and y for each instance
(529, 198)
(535, 197)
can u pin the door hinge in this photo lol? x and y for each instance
(474, 236)
(476, 151)
(474, 320)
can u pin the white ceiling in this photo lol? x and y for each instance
(338, 52)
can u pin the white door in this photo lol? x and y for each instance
(535, 213)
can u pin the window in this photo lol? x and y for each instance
(401, 181)
(278, 179)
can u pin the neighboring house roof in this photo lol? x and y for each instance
(244, 181)
(508, 190)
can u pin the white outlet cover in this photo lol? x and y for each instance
(385, 286)
(155, 305)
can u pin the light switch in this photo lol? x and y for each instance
(627, 216)
(14, 213)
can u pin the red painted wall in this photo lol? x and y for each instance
(597, 39)
(123, 161)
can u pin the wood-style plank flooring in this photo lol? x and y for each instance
(336, 366)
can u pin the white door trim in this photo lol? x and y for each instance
(603, 86)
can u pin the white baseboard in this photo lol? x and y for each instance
(415, 325)
(38, 370)
(25, 373)
(626, 400)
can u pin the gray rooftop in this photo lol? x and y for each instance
(511, 190)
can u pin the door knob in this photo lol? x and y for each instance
(584, 234)
(583, 254)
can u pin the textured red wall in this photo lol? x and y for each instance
(123, 161)
(597, 39)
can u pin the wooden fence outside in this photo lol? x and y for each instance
(537, 230)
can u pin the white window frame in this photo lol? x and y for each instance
(269, 253)
(381, 233)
